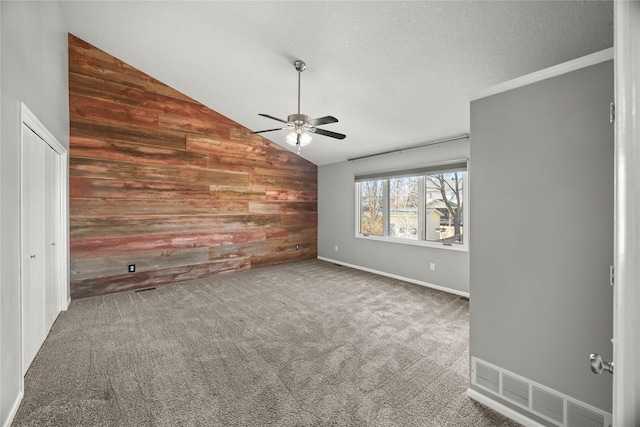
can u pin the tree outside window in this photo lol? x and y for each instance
(445, 207)
(371, 217)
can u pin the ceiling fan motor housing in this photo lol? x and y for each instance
(298, 119)
(300, 122)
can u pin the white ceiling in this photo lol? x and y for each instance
(394, 73)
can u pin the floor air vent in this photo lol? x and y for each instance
(559, 409)
(151, 288)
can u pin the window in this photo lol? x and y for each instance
(371, 216)
(444, 213)
(404, 207)
(424, 206)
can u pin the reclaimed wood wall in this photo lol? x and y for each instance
(163, 182)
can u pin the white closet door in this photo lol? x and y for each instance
(33, 249)
(52, 236)
(44, 244)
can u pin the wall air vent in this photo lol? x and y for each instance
(536, 399)
(488, 377)
(577, 416)
(547, 404)
(515, 390)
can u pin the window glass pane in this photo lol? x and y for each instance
(371, 217)
(403, 205)
(444, 207)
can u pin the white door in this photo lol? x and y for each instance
(52, 229)
(626, 321)
(33, 250)
(40, 228)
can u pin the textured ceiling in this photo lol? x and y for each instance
(394, 73)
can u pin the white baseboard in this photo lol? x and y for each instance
(14, 410)
(503, 409)
(395, 276)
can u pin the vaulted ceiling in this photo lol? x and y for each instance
(394, 73)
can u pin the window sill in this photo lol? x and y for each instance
(423, 243)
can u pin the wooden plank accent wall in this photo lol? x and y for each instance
(163, 182)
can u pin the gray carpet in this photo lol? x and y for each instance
(301, 344)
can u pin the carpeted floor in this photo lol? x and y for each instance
(301, 344)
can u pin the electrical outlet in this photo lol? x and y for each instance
(336, 248)
(432, 266)
(132, 268)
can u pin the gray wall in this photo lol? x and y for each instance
(336, 221)
(34, 71)
(542, 231)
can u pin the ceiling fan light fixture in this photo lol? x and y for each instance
(305, 139)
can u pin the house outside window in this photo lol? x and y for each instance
(426, 206)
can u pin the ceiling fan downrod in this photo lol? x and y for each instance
(300, 67)
(300, 120)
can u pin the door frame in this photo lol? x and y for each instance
(626, 312)
(30, 120)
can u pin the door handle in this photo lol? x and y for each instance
(597, 365)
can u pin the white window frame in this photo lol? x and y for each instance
(421, 241)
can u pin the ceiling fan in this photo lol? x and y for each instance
(301, 124)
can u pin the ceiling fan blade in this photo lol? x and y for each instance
(269, 130)
(328, 133)
(323, 121)
(271, 117)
